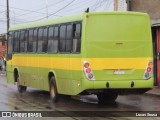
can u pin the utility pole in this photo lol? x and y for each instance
(8, 20)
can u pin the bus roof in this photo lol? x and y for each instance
(46, 22)
(65, 19)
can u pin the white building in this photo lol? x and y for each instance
(120, 5)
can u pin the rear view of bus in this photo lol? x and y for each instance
(117, 54)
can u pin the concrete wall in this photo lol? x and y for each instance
(152, 7)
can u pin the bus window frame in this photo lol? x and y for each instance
(11, 37)
(62, 52)
(77, 22)
(46, 27)
(54, 38)
(21, 40)
(66, 24)
(42, 27)
(28, 51)
(26, 39)
(71, 40)
(58, 38)
(17, 49)
(36, 39)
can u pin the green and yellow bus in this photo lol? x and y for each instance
(102, 53)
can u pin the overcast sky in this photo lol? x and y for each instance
(22, 11)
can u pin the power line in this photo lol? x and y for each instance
(74, 8)
(2, 11)
(99, 5)
(109, 3)
(33, 16)
(3, 28)
(96, 4)
(3, 21)
(24, 9)
(57, 10)
(41, 8)
(3, 18)
(77, 3)
(62, 8)
(77, 6)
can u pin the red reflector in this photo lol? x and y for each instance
(149, 69)
(88, 70)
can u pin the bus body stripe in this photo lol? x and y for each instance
(76, 63)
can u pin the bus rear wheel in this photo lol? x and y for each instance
(107, 97)
(20, 88)
(53, 90)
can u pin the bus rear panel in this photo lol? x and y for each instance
(118, 48)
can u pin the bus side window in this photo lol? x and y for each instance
(26, 41)
(55, 40)
(50, 39)
(76, 37)
(40, 39)
(69, 38)
(16, 42)
(62, 44)
(34, 46)
(22, 39)
(30, 41)
(45, 38)
(10, 46)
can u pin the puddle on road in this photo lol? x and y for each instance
(38, 100)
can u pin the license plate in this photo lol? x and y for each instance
(119, 72)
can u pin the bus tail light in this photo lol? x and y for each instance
(148, 70)
(88, 71)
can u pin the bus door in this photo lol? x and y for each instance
(158, 56)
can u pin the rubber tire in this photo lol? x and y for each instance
(106, 97)
(20, 88)
(53, 90)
